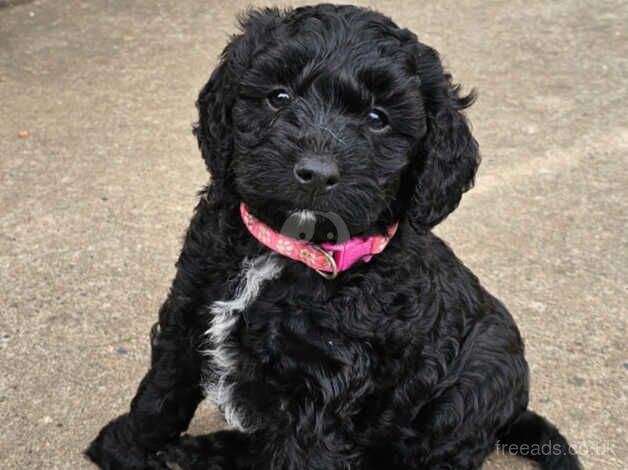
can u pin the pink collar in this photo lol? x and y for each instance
(328, 259)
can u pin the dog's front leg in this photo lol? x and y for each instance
(222, 450)
(162, 408)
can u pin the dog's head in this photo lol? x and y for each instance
(335, 109)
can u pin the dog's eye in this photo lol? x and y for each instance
(376, 119)
(279, 99)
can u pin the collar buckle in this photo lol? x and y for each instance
(332, 263)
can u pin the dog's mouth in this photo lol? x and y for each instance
(334, 217)
(307, 225)
(316, 226)
(320, 222)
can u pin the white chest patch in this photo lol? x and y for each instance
(223, 359)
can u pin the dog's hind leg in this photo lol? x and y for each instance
(163, 405)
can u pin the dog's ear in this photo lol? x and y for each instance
(447, 156)
(216, 99)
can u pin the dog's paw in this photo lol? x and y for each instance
(189, 453)
(115, 448)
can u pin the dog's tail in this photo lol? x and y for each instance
(533, 437)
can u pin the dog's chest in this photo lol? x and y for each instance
(222, 354)
(267, 334)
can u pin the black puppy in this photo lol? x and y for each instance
(336, 120)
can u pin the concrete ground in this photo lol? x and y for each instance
(94, 201)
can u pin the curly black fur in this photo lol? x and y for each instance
(405, 362)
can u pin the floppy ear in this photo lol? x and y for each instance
(447, 156)
(216, 99)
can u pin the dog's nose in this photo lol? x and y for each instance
(316, 173)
